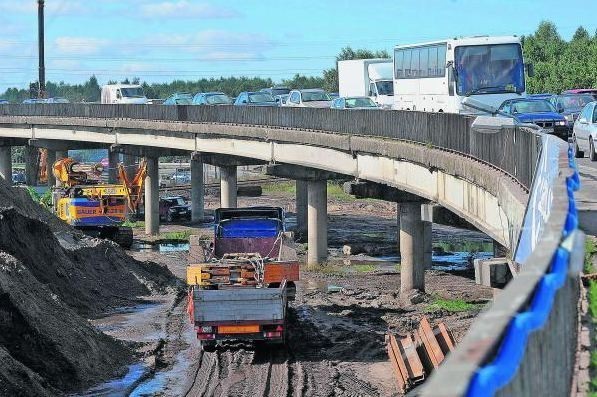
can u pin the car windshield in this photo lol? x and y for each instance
(532, 107)
(489, 69)
(385, 87)
(218, 99)
(136, 92)
(312, 96)
(261, 97)
(183, 100)
(574, 102)
(360, 103)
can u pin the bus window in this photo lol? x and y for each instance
(424, 62)
(399, 63)
(407, 72)
(414, 64)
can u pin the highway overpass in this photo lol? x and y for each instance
(511, 182)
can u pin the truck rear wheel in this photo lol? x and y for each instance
(208, 346)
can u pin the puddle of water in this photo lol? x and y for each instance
(140, 246)
(134, 320)
(118, 387)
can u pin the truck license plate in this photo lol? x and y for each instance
(238, 329)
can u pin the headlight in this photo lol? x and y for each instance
(561, 122)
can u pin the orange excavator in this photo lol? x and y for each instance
(97, 209)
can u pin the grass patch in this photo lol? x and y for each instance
(133, 224)
(364, 268)
(450, 305)
(336, 191)
(279, 187)
(329, 269)
(590, 250)
(180, 236)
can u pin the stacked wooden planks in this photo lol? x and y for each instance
(415, 356)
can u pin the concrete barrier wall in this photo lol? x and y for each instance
(524, 344)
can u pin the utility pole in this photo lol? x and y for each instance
(42, 68)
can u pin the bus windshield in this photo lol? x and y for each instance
(489, 69)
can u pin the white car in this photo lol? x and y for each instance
(584, 134)
(311, 98)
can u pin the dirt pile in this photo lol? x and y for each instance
(52, 279)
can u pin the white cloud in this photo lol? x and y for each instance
(79, 45)
(50, 8)
(186, 9)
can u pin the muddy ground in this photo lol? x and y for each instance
(336, 324)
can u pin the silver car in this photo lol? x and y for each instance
(354, 102)
(310, 98)
(584, 132)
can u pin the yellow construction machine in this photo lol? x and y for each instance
(96, 208)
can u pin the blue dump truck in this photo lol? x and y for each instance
(239, 285)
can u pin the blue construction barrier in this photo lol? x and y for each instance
(499, 372)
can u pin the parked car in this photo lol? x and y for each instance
(211, 98)
(255, 99)
(310, 98)
(570, 106)
(179, 98)
(334, 95)
(4, 102)
(584, 133)
(590, 91)
(34, 100)
(177, 178)
(273, 91)
(354, 102)
(56, 99)
(175, 207)
(537, 111)
(545, 95)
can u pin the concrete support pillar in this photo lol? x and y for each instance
(228, 187)
(31, 165)
(152, 197)
(50, 160)
(427, 245)
(412, 269)
(197, 189)
(317, 235)
(6, 163)
(129, 165)
(301, 209)
(113, 158)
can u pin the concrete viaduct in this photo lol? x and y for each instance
(421, 178)
(483, 171)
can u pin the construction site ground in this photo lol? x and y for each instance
(336, 324)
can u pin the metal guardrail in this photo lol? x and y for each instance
(523, 344)
(513, 151)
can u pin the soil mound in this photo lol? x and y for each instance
(52, 278)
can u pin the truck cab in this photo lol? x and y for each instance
(367, 77)
(123, 93)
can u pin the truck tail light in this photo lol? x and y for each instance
(279, 328)
(206, 336)
(272, 334)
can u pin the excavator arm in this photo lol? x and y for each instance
(133, 188)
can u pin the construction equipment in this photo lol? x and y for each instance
(96, 209)
(240, 284)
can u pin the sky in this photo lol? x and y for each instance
(163, 40)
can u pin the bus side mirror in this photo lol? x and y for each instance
(530, 69)
(451, 79)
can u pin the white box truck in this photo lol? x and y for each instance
(367, 77)
(123, 93)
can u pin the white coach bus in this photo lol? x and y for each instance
(438, 76)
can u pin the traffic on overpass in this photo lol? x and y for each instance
(201, 204)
